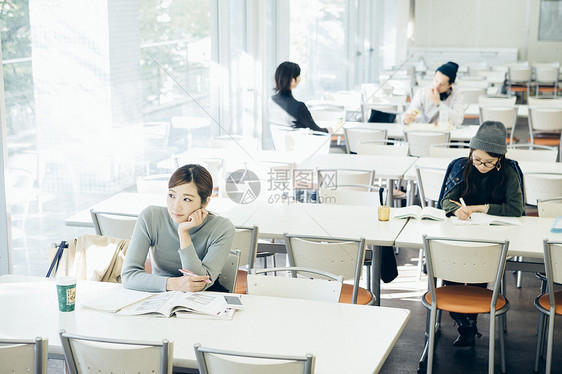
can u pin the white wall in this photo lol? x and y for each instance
(484, 24)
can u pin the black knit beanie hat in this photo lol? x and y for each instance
(449, 69)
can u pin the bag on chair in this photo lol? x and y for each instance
(89, 257)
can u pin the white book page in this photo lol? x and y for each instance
(113, 300)
(430, 212)
(487, 219)
(406, 212)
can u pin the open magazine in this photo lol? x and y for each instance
(417, 212)
(128, 302)
(168, 303)
(487, 219)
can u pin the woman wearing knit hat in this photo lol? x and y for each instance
(428, 100)
(486, 182)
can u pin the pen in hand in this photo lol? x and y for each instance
(462, 204)
(190, 273)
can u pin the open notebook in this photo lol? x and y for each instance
(487, 219)
(417, 212)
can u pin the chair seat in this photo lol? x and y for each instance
(545, 302)
(241, 282)
(364, 297)
(554, 141)
(465, 299)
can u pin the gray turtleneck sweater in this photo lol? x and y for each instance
(156, 231)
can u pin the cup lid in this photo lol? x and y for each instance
(65, 281)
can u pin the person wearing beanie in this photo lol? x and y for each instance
(428, 100)
(484, 182)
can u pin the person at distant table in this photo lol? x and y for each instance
(441, 95)
(483, 182)
(285, 108)
(183, 235)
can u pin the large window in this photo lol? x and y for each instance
(317, 44)
(99, 93)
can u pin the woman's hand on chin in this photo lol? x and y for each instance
(195, 219)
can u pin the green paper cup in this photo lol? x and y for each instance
(66, 292)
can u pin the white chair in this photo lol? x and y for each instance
(246, 241)
(545, 102)
(372, 91)
(322, 287)
(338, 256)
(217, 361)
(333, 113)
(154, 184)
(497, 101)
(306, 142)
(369, 195)
(465, 261)
(519, 79)
(531, 152)
(469, 83)
(354, 179)
(279, 136)
(541, 186)
(547, 77)
(115, 225)
(504, 114)
(549, 304)
(276, 178)
(545, 121)
(351, 102)
(421, 141)
(359, 134)
(24, 355)
(84, 354)
(430, 180)
(156, 134)
(381, 107)
(229, 273)
(550, 207)
(383, 148)
(471, 94)
(449, 150)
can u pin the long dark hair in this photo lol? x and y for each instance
(498, 173)
(198, 175)
(284, 74)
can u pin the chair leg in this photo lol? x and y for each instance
(549, 344)
(519, 273)
(431, 341)
(492, 344)
(502, 342)
(540, 340)
(420, 263)
(368, 272)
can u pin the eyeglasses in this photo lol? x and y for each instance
(478, 162)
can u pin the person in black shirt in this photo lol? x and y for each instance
(287, 78)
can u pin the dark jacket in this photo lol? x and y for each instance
(454, 176)
(298, 110)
